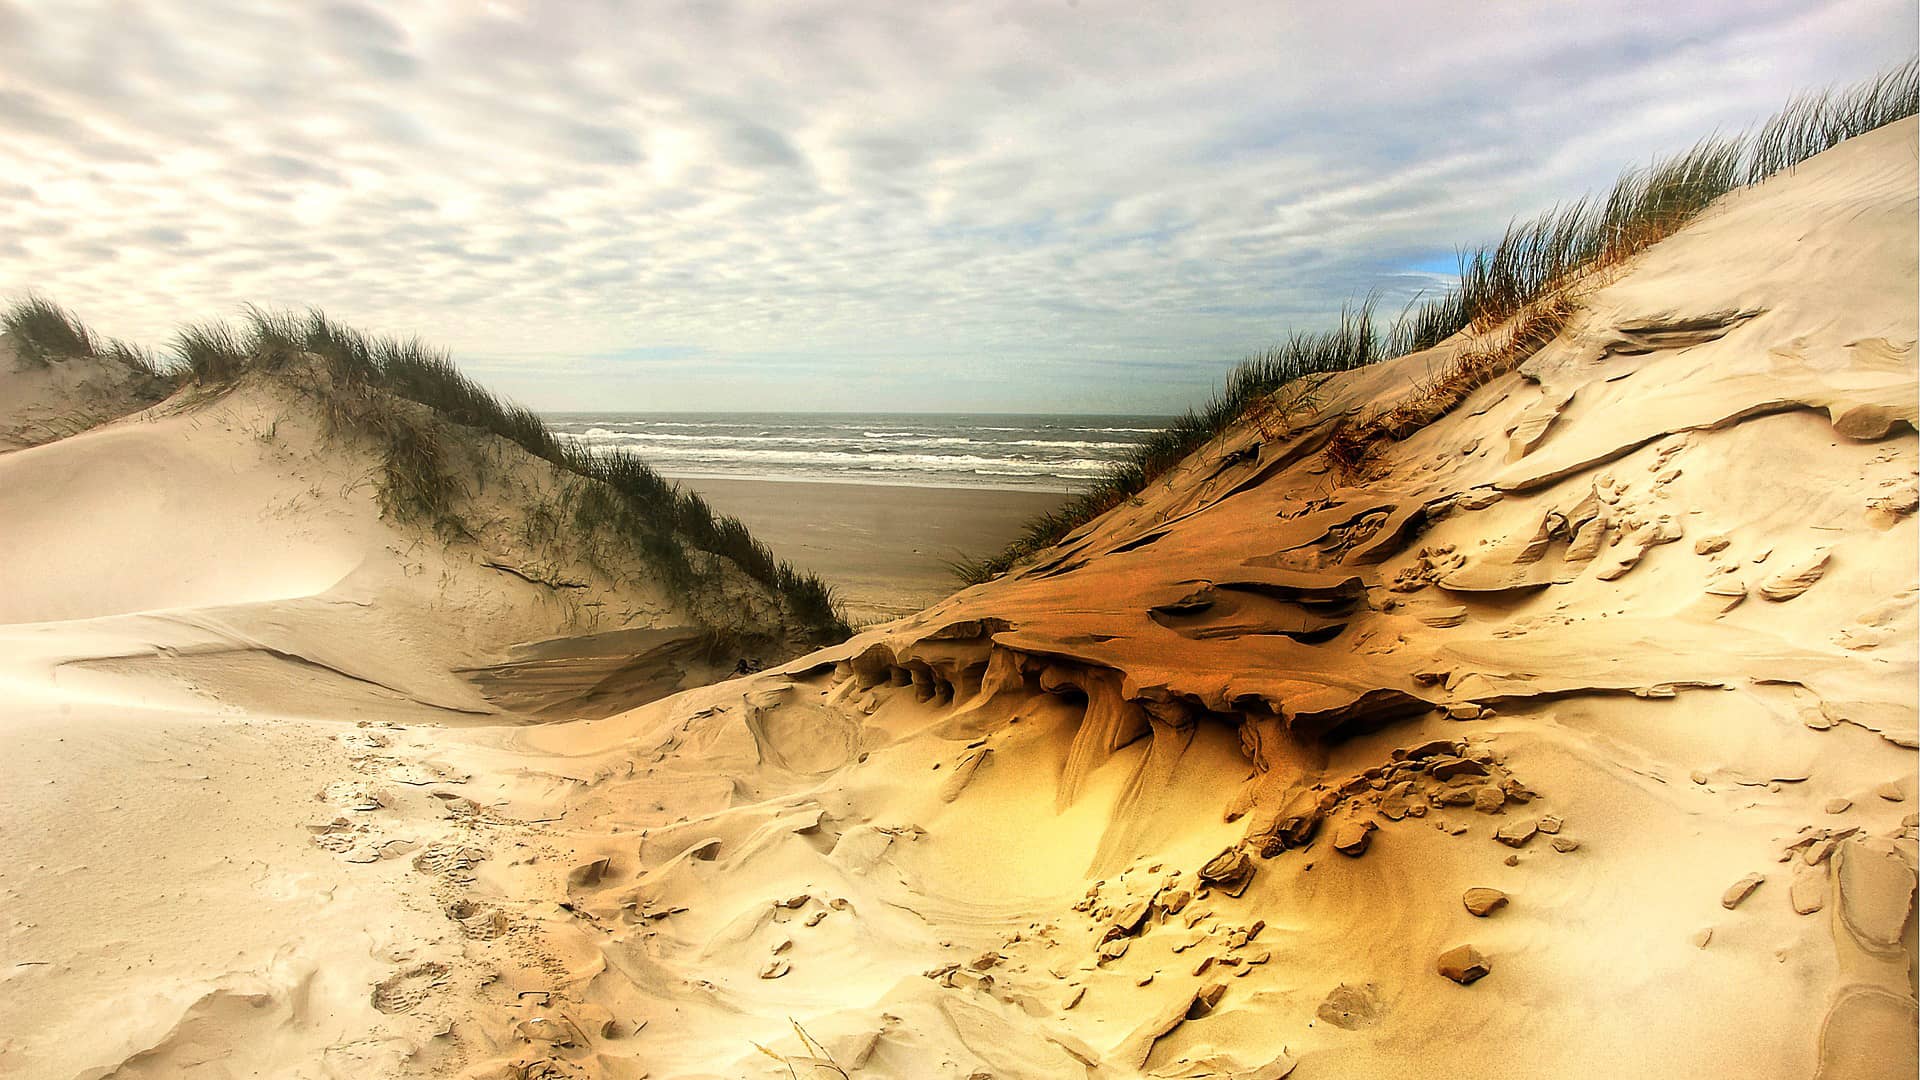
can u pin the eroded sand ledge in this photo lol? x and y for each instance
(1579, 740)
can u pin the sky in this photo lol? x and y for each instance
(842, 204)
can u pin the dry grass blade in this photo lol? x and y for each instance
(45, 332)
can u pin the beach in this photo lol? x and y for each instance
(885, 549)
(1521, 689)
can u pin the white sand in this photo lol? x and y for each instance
(968, 842)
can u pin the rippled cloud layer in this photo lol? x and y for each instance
(1093, 206)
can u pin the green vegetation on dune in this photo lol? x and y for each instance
(46, 333)
(1527, 272)
(360, 389)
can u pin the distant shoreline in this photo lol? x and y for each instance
(697, 480)
(1046, 453)
(884, 547)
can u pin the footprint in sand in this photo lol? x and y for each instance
(400, 993)
(479, 921)
(449, 860)
(353, 796)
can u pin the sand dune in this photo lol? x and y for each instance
(207, 631)
(1214, 788)
(41, 402)
(1577, 737)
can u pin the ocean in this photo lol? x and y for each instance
(1029, 452)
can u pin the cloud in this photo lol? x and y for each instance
(843, 203)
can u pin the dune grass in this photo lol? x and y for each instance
(618, 491)
(1293, 363)
(1821, 120)
(46, 333)
(366, 376)
(1514, 292)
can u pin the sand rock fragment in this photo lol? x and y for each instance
(1463, 964)
(1808, 891)
(1838, 805)
(1230, 871)
(1586, 540)
(1435, 748)
(1868, 1033)
(1350, 1007)
(1565, 845)
(1795, 579)
(1206, 1000)
(1728, 590)
(1489, 799)
(1133, 1051)
(1740, 890)
(1517, 833)
(1482, 902)
(1876, 885)
(1446, 768)
(1891, 792)
(1393, 804)
(1818, 852)
(1351, 838)
(1128, 919)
